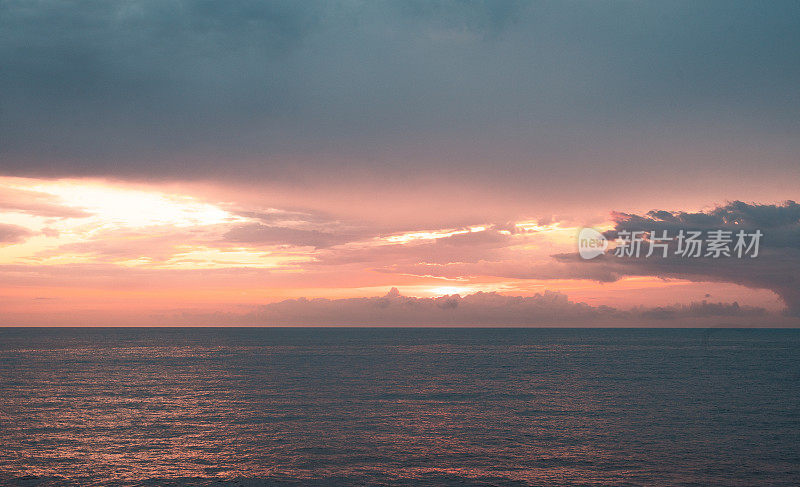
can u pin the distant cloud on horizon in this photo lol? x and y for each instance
(545, 309)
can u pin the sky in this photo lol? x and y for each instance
(407, 163)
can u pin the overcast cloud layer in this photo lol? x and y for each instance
(517, 92)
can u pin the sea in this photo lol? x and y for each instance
(399, 406)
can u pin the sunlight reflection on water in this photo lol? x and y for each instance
(398, 406)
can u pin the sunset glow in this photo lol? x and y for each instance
(399, 243)
(168, 252)
(215, 179)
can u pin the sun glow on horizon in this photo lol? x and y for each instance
(451, 290)
(89, 221)
(76, 244)
(132, 208)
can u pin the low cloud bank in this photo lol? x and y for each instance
(488, 309)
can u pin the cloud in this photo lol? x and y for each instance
(482, 309)
(156, 246)
(11, 234)
(781, 220)
(106, 276)
(381, 252)
(256, 234)
(700, 309)
(37, 203)
(393, 308)
(502, 93)
(776, 268)
(511, 269)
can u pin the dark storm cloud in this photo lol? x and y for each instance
(777, 267)
(287, 89)
(781, 221)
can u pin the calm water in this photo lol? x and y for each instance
(399, 407)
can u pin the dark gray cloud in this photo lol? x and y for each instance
(781, 221)
(305, 90)
(776, 268)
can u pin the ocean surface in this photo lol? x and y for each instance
(334, 406)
